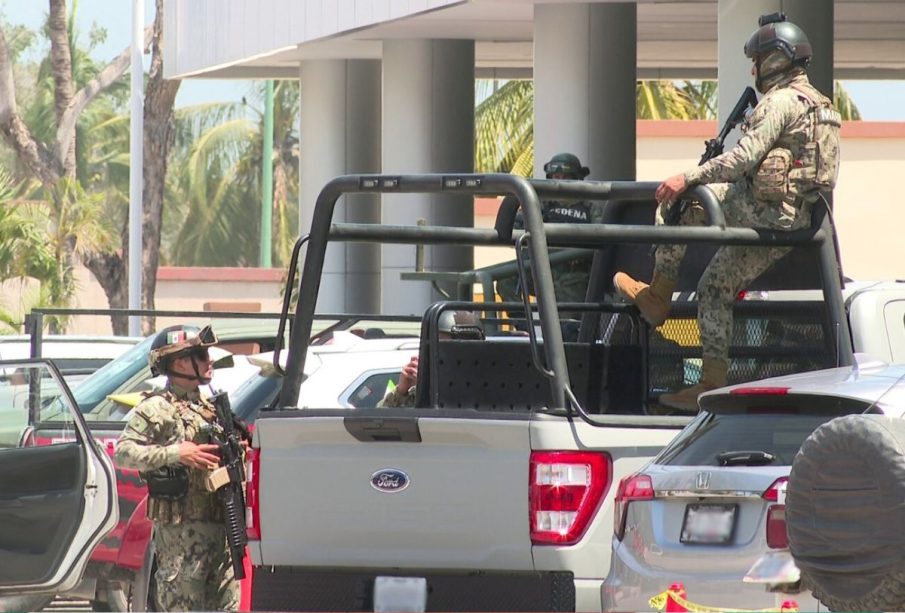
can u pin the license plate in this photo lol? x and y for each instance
(708, 524)
(402, 594)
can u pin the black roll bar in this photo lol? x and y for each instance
(465, 184)
(540, 236)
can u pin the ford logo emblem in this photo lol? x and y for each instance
(389, 480)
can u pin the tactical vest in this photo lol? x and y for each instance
(555, 211)
(196, 422)
(817, 166)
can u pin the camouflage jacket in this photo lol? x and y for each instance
(782, 119)
(394, 399)
(151, 440)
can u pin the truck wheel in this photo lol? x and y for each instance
(140, 595)
(844, 513)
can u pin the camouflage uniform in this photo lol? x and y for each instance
(781, 120)
(194, 567)
(395, 399)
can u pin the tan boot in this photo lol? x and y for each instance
(713, 375)
(652, 300)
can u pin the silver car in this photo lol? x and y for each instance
(709, 505)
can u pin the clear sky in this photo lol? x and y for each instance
(877, 100)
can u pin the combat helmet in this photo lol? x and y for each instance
(777, 46)
(461, 325)
(567, 164)
(775, 32)
(177, 341)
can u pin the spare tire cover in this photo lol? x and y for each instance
(845, 505)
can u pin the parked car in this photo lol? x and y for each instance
(844, 512)
(349, 371)
(57, 501)
(710, 504)
(76, 356)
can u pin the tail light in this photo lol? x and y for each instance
(565, 491)
(633, 487)
(777, 537)
(777, 491)
(252, 485)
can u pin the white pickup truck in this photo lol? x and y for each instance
(496, 491)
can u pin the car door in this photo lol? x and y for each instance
(57, 500)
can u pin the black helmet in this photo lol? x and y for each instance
(176, 341)
(773, 33)
(567, 164)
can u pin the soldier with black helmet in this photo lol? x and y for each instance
(169, 439)
(786, 158)
(570, 279)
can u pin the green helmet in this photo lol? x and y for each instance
(567, 164)
(177, 341)
(774, 32)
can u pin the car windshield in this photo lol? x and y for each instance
(753, 431)
(95, 388)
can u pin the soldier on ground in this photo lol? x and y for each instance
(787, 157)
(451, 325)
(169, 438)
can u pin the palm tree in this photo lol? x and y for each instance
(217, 189)
(23, 249)
(504, 117)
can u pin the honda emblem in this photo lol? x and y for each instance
(703, 481)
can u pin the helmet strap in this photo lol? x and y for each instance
(189, 377)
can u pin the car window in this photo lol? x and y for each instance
(110, 377)
(778, 435)
(365, 394)
(772, 424)
(254, 394)
(25, 394)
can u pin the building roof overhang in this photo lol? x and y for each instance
(869, 40)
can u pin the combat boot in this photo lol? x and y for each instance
(654, 300)
(713, 375)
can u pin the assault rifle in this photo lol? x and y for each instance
(714, 146)
(229, 480)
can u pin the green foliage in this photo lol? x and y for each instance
(213, 195)
(23, 249)
(504, 129)
(844, 103)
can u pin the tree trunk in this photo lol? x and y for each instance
(61, 64)
(158, 133)
(111, 270)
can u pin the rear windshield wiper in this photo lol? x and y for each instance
(745, 458)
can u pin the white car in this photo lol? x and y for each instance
(57, 501)
(710, 505)
(76, 356)
(348, 371)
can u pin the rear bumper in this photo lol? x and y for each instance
(627, 591)
(296, 589)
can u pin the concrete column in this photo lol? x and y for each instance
(428, 126)
(339, 133)
(737, 19)
(584, 86)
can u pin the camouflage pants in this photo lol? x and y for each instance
(732, 266)
(194, 568)
(570, 282)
